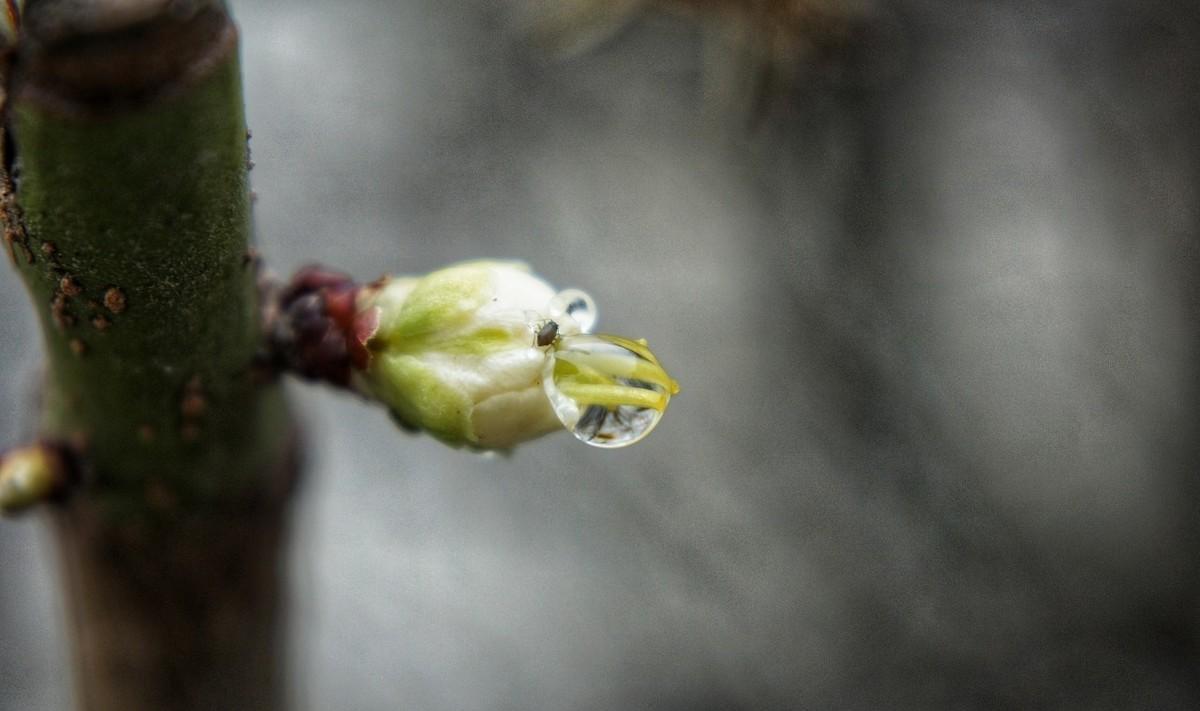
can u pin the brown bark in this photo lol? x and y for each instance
(183, 611)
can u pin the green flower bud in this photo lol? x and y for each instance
(456, 352)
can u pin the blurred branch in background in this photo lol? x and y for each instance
(754, 50)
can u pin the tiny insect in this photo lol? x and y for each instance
(547, 334)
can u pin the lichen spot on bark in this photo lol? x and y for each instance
(69, 285)
(114, 300)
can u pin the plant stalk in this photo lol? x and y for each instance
(127, 214)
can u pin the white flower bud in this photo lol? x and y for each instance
(455, 352)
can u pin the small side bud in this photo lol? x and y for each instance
(30, 475)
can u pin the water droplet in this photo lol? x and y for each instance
(575, 305)
(607, 390)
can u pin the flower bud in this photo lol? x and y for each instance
(456, 352)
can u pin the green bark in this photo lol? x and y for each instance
(126, 204)
(137, 222)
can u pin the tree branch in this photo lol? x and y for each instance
(126, 207)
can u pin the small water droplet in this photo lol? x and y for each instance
(576, 305)
(607, 390)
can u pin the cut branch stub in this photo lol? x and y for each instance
(103, 56)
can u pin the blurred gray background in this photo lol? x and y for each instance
(933, 305)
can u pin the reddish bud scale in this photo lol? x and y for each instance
(339, 305)
(318, 333)
(67, 465)
(366, 323)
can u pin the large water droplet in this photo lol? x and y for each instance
(607, 390)
(575, 304)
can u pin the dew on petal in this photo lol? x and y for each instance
(576, 305)
(607, 390)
